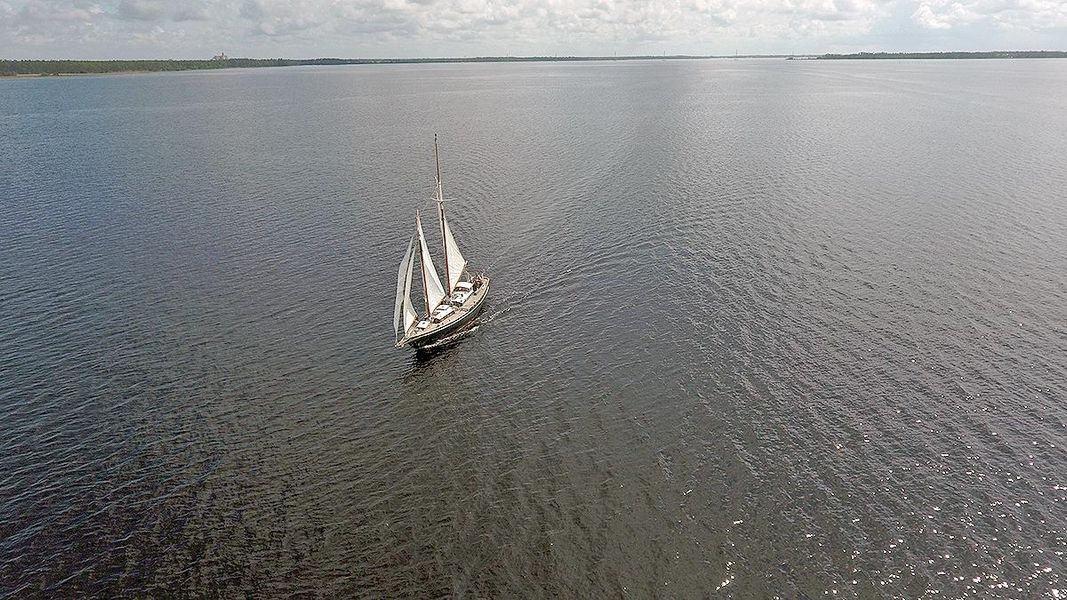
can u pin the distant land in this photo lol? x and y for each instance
(946, 55)
(29, 68)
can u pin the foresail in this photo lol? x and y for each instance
(434, 292)
(410, 316)
(456, 262)
(403, 286)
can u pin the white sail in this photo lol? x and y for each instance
(456, 262)
(432, 283)
(410, 316)
(403, 287)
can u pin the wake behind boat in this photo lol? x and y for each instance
(449, 307)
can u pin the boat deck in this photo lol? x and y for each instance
(450, 323)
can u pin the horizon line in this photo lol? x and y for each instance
(543, 56)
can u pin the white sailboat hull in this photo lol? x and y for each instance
(463, 316)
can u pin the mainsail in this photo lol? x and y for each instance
(456, 262)
(403, 291)
(430, 282)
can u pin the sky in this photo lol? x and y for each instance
(106, 29)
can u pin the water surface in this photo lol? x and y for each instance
(758, 328)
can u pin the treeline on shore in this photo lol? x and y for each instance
(75, 67)
(934, 55)
(68, 67)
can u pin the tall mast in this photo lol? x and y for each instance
(422, 266)
(441, 213)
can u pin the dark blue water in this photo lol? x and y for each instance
(757, 329)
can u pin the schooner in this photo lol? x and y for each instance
(451, 305)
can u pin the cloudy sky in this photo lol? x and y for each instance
(408, 28)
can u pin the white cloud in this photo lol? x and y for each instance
(925, 17)
(281, 17)
(142, 10)
(55, 12)
(1008, 14)
(484, 27)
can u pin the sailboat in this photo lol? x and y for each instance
(451, 305)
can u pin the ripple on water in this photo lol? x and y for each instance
(757, 329)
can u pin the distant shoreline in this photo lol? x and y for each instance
(945, 55)
(45, 68)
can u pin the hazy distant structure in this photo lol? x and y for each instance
(220, 56)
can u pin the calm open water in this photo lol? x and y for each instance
(758, 328)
